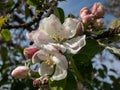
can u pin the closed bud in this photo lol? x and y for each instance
(30, 51)
(80, 28)
(86, 15)
(99, 22)
(98, 10)
(20, 72)
(36, 83)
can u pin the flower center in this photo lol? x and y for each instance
(57, 37)
(49, 61)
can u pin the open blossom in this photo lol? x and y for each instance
(51, 63)
(29, 52)
(20, 72)
(98, 10)
(51, 31)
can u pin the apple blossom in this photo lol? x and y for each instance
(20, 72)
(53, 64)
(51, 31)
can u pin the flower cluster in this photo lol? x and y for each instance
(51, 41)
(94, 15)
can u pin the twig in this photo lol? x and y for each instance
(35, 19)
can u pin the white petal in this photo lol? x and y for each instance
(52, 25)
(39, 56)
(50, 48)
(60, 60)
(39, 37)
(45, 69)
(59, 74)
(59, 47)
(75, 44)
(70, 27)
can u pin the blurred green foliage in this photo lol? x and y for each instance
(14, 40)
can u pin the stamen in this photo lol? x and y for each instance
(49, 61)
(57, 37)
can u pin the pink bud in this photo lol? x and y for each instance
(99, 22)
(98, 10)
(86, 15)
(80, 28)
(84, 11)
(36, 83)
(20, 72)
(30, 51)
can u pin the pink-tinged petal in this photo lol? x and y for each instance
(80, 28)
(20, 72)
(30, 51)
(98, 10)
(75, 44)
(39, 56)
(40, 37)
(99, 22)
(60, 48)
(87, 18)
(86, 15)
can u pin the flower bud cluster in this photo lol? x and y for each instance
(93, 16)
(42, 82)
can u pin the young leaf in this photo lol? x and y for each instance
(57, 85)
(6, 34)
(3, 19)
(4, 53)
(59, 13)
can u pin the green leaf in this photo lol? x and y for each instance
(34, 2)
(6, 34)
(8, 4)
(69, 83)
(70, 15)
(57, 85)
(3, 19)
(59, 13)
(4, 53)
(88, 52)
(83, 58)
(27, 13)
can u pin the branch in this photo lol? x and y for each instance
(106, 34)
(35, 19)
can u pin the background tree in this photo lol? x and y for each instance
(17, 17)
(113, 7)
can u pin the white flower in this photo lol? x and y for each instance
(51, 31)
(51, 63)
